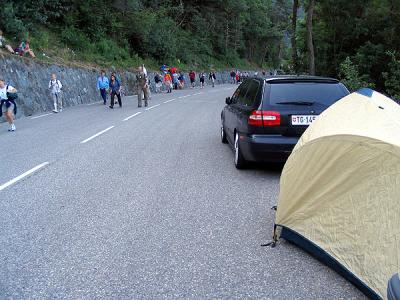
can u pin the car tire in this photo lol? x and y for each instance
(224, 140)
(240, 162)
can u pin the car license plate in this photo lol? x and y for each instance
(303, 119)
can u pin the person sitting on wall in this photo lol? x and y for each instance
(3, 43)
(24, 48)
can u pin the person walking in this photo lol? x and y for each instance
(143, 87)
(168, 82)
(103, 85)
(233, 77)
(175, 80)
(158, 81)
(115, 90)
(192, 77)
(202, 77)
(8, 107)
(55, 87)
(212, 77)
(181, 79)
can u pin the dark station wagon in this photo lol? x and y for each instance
(265, 118)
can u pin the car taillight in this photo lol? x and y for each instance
(265, 117)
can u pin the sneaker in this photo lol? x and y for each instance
(60, 110)
(111, 106)
(55, 111)
(12, 127)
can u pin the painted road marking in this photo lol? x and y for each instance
(37, 117)
(197, 94)
(169, 100)
(130, 117)
(18, 178)
(151, 107)
(96, 135)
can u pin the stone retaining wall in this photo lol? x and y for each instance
(31, 78)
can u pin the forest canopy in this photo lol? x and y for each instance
(357, 41)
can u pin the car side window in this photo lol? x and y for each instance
(235, 95)
(241, 98)
(252, 92)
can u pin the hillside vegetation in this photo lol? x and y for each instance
(357, 41)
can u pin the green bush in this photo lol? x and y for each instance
(76, 39)
(351, 77)
(392, 77)
(9, 21)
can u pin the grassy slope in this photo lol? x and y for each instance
(49, 48)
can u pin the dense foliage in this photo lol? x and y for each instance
(358, 41)
(195, 33)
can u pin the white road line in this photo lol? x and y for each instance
(151, 107)
(197, 94)
(169, 100)
(97, 102)
(12, 181)
(181, 97)
(96, 135)
(130, 117)
(37, 117)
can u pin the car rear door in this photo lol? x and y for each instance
(247, 103)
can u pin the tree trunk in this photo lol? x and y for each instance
(294, 42)
(310, 44)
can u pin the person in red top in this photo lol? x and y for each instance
(192, 77)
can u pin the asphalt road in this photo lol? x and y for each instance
(152, 208)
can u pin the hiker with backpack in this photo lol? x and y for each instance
(202, 77)
(8, 107)
(192, 77)
(55, 87)
(115, 90)
(175, 80)
(181, 79)
(103, 85)
(212, 77)
(143, 87)
(233, 77)
(158, 81)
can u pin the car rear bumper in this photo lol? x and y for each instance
(267, 148)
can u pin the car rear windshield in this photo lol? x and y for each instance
(306, 92)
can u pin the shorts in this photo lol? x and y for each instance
(7, 109)
(192, 80)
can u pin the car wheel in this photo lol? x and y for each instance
(224, 140)
(240, 162)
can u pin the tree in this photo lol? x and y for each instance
(294, 34)
(310, 42)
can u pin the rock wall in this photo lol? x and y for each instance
(31, 78)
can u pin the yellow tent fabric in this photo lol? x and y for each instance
(340, 188)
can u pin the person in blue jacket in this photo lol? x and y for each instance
(102, 85)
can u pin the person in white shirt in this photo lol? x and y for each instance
(8, 106)
(55, 87)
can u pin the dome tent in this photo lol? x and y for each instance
(340, 190)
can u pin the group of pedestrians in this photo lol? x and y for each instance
(172, 79)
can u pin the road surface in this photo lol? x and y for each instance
(143, 204)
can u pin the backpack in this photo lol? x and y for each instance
(11, 96)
